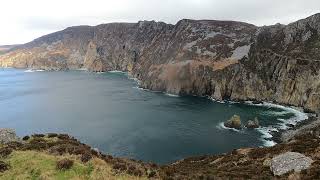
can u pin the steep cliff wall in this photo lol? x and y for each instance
(283, 66)
(222, 59)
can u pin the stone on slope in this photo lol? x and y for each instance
(289, 161)
(8, 135)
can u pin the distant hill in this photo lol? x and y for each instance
(5, 48)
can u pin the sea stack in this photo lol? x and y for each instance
(234, 122)
(253, 124)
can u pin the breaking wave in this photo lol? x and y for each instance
(221, 126)
(33, 70)
(266, 132)
(282, 124)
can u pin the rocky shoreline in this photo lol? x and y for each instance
(283, 135)
(300, 128)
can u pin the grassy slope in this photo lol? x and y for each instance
(40, 165)
(37, 157)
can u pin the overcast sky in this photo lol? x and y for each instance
(24, 20)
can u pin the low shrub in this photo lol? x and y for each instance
(64, 164)
(26, 138)
(86, 157)
(3, 166)
(52, 135)
(5, 152)
(38, 135)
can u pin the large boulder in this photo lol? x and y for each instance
(289, 161)
(252, 124)
(234, 122)
(8, 135)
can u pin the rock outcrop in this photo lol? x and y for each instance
(220, 59)
(234, 122)
(252, 124)
(289, 161)
(8, 135)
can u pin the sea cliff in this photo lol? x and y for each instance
(220, 59)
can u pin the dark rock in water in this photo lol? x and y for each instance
(3, 166)
(257, 102)
(8, 135)
(289, 161)
(306, 110)
(234, 122)
(253, 124)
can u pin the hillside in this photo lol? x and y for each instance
(5, 48)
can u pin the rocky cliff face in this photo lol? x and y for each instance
(221, 59)
(283, 66)
(58, 51)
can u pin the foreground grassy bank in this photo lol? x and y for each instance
(39, 165)
(59, 156)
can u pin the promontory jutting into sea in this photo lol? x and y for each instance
(198, 99)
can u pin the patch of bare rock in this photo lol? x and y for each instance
(289, 161)
(8, 135)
